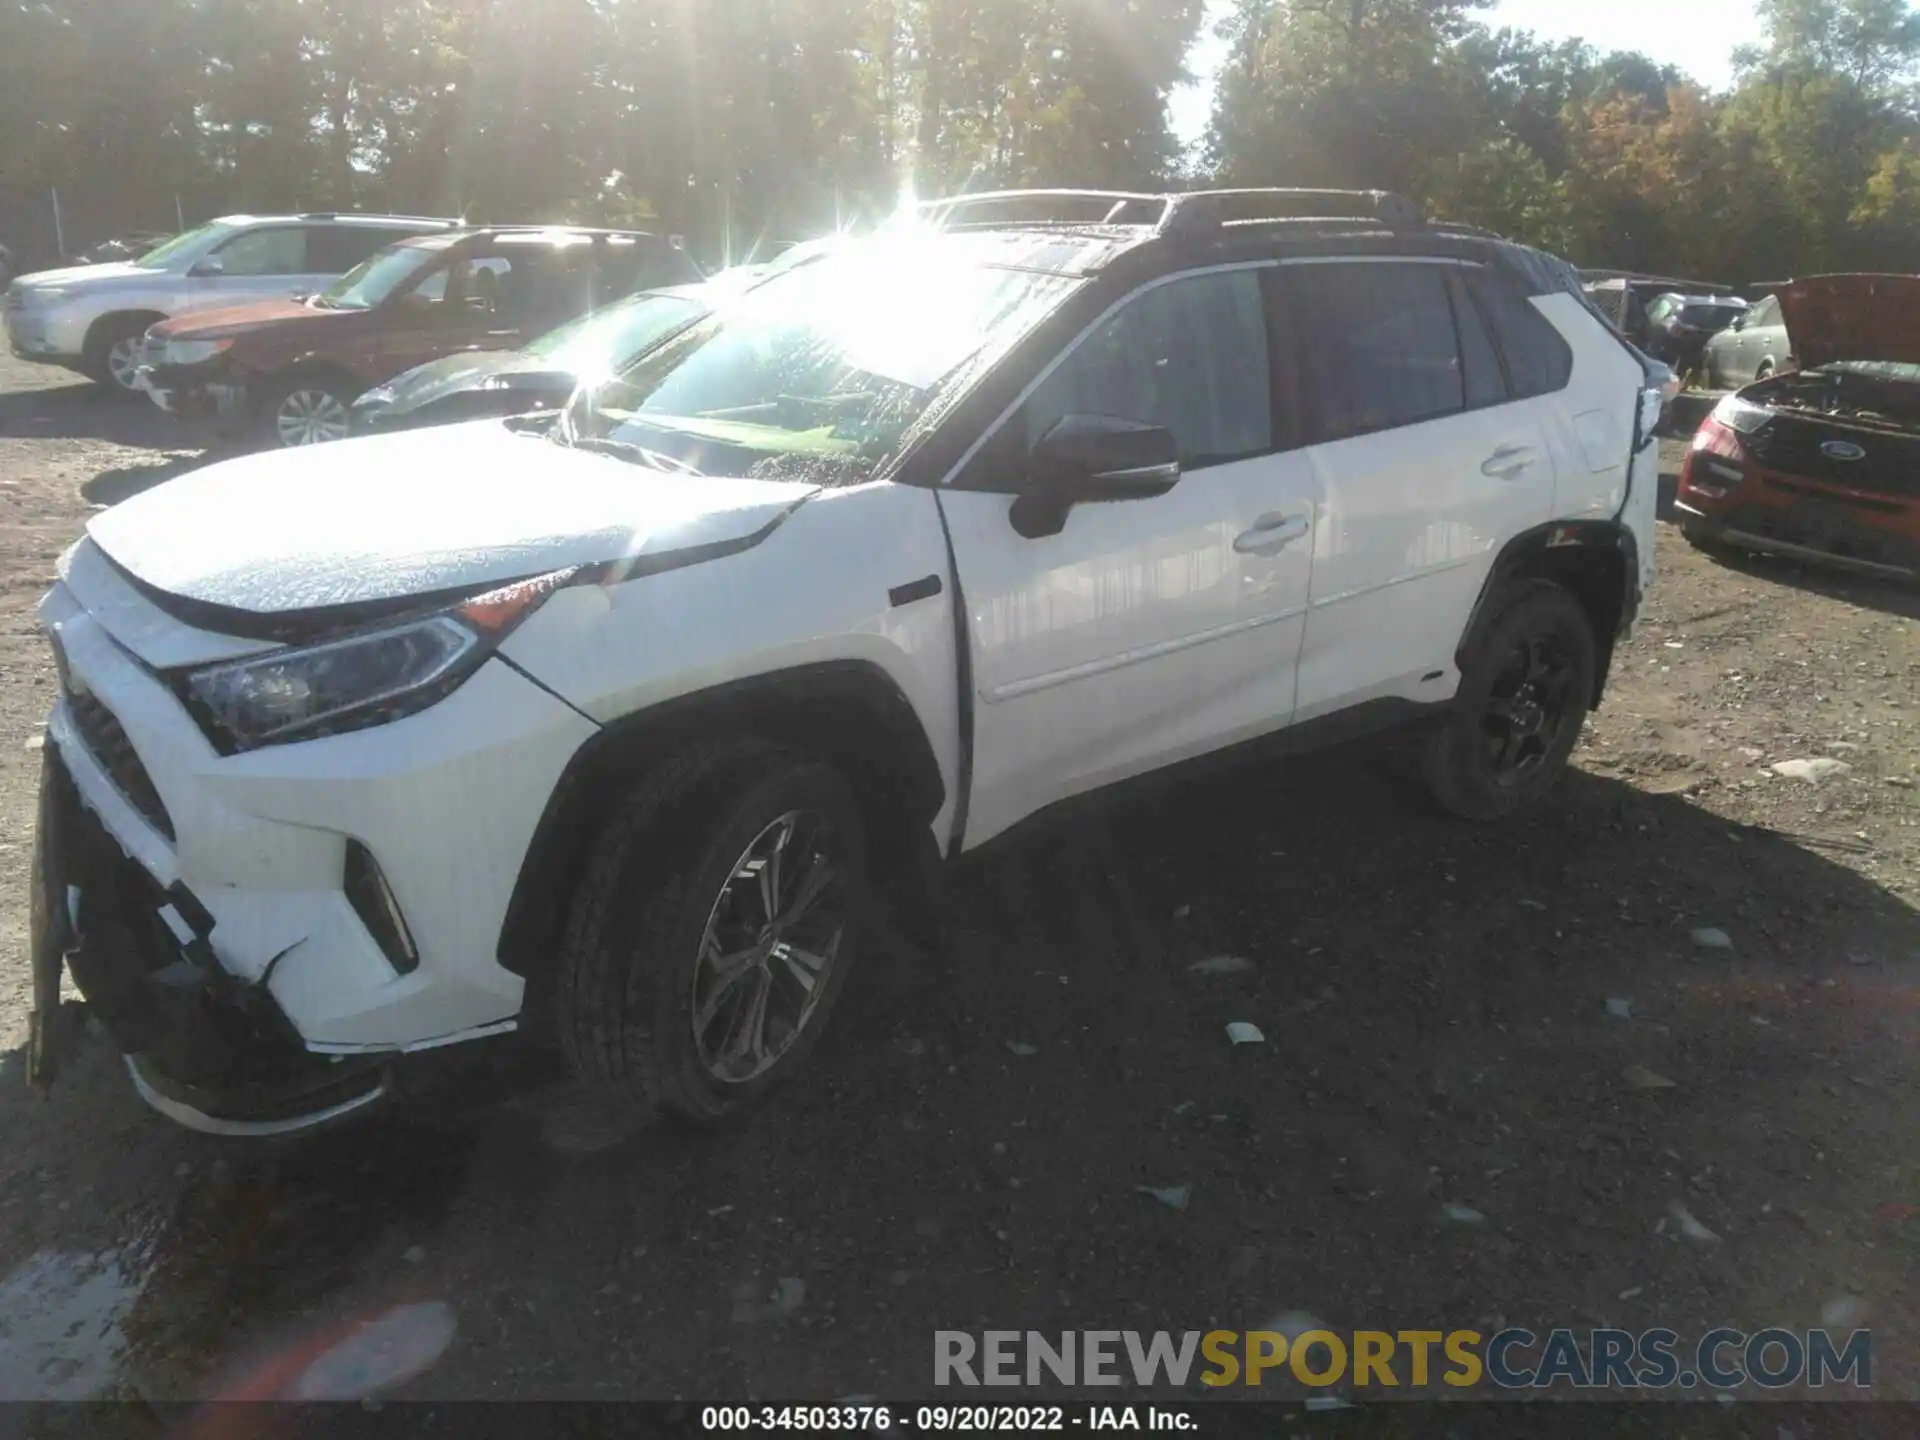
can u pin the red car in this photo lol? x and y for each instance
(291, 369)
(1822, 462)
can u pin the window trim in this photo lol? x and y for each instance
(952, 480)
(1499, 346)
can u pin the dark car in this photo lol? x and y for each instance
(1624, 299)
(539, 376)
(1679, 326)
(291, 369)
(1822, 462)
(1753, 347)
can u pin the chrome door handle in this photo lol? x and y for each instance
(1273, 533)
(1507, 462)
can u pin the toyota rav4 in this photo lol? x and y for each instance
(622, 728)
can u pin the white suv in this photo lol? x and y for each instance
(615, 727)
(91, 318)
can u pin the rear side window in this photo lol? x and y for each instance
(336, 249)
(1189, 355)
(1378, 347)
(1480, 362)
(1538, 359)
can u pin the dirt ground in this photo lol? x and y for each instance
(971, 1151)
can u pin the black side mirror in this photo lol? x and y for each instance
(1091, 459)
(210, 267)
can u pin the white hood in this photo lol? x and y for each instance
(415, 514)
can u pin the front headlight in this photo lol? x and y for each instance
(359, 680)
(1741, 416)
(190, 352)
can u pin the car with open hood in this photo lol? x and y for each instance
(617, 730)
(289, 370)
(1821, 462)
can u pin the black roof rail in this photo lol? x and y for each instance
(1089, 207)
(1203, 210)
(1181, 213)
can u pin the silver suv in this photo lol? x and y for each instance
(90, 318)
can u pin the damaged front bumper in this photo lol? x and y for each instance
(198, 393)
(203, 1048)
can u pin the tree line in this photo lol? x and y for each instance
(730, 120)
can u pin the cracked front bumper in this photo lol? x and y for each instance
(226, 876)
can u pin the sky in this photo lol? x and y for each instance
(1697, 35)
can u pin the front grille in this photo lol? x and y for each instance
(1890, 464)
(107, 742)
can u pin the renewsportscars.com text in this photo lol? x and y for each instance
(1512, 1359)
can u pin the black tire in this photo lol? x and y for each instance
(324, 399)
(659, 881)
(104, 361)
(1525, 689)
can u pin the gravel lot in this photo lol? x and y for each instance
(972, 1150)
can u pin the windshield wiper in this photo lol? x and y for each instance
(627, 450)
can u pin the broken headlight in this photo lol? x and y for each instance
(359, 680)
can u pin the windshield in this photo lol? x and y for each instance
(830, 364)
(371, 281)
(189, 246)
(598, 346)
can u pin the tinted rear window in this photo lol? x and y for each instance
(1538, 359)
(1712, 317)
(1381, 341)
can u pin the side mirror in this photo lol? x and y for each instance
(1092, 459)
(211, 266)
(1739, 323)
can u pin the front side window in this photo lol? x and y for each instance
(278, 251)
(185, 248)
(1189, 356)
(336, 249)
(1377, 344)
(824, 368)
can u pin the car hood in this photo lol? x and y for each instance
(234, 320)
(91, 274)
(1852, 317)
(469, 370)
(363, 523)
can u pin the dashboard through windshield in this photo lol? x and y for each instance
(828, 366)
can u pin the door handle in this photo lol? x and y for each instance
(1273, 533)
(1507, 462)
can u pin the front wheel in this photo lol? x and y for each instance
(306, 410)
(714, 930)
(1525, 690)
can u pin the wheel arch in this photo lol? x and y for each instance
(851, 714)
(1597, 561)
(116, 319)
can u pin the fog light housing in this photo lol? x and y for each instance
(373, 901)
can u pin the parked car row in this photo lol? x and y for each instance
(618, 726)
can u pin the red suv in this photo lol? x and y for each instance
(291, 369)
(1822, 462)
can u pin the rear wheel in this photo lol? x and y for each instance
(1524, 693)
(306, 410)
(713, 932)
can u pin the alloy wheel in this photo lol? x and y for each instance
(123, 359)
(310, 415)
(1528, 707)
(771, 941)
